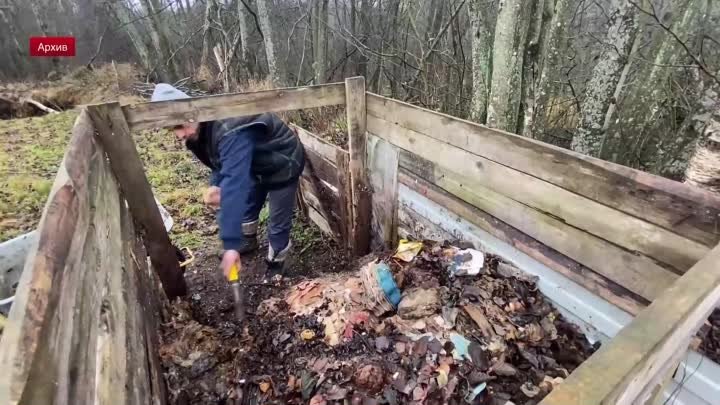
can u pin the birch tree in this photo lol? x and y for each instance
(482, 37)
(263, 12)
(511, 28)
(602, 87)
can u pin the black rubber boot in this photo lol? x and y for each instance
(277, 264)
(249, 244)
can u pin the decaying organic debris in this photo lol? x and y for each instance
(486, 338)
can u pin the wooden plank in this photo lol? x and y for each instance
(383, 166)
(60, 232)
(319, 145)
(640, 352)
(342, 160)
(320, 221)
(686, 210)
(357, 142)
(321, 167)
(117, 141)
(637, 273)
(209, 108)
(594, 282)
(323, 200)
(580, 212)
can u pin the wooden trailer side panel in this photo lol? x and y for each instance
(617, 226)
(83, 328)
(325, 185)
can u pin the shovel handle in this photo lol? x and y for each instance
(234, 274)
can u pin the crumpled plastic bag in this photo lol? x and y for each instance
(464, 262)
(407, 250)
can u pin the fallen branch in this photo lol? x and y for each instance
(40, 106)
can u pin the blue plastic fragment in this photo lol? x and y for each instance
(387, 283)
(475, 392)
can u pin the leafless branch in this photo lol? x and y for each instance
(700, 64)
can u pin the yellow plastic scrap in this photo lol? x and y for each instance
(307, 334)
(407, 250)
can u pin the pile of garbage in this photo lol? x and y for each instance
(426, 324)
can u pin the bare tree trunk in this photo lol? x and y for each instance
(320, 34)
(158, 30)
(39, 9)
(511, 30)
(555, 43)
(121, 12)
(600, 90)
(264, 18)
(244, 24)
(482, 37)
(207, 37)
(534, 52)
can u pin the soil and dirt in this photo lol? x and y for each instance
(316, 337)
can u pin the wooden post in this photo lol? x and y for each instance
(117, 141)
(357, 141)
(342, 161)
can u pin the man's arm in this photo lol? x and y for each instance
(215, 178)
(235, 182)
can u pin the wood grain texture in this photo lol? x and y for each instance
(322, 168)
(637, 273)
(117, 141)
(640, 353)
(594, 282)
(383, 167)
(357, 144)
(324, 200)
(319, 145)
(627, 231)
(686, 210)
(200, 109)
(61, 230)
(342, 160)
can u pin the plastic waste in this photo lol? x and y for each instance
(407, 250)
(464, 262)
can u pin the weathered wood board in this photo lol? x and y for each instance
(682, 209)
(117, 141)
(383, 160)
(357, 145)
(78, 332)
(169, 113)
(586, 277)
(573, 209)
(325, 185)
(639, 356)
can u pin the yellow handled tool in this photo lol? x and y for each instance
(234, 279)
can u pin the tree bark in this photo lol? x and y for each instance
(121, 12)
(555, 43)
(511, 30)
(533, 63)
(207, 37)
(320, 35)
(600, 90)
(165, 66)
(264, 19)
(245, 31)
(482, 37)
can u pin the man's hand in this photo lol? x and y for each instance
(230, 257)
(211, 197)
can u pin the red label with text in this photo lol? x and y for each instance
(52, 46)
